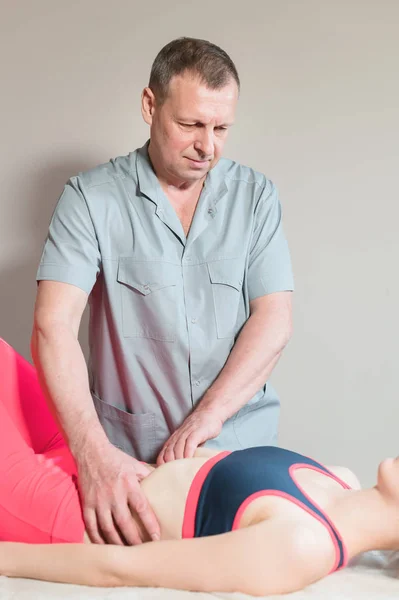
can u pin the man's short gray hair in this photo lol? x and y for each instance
(210, 63)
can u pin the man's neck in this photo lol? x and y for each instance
(172, 186)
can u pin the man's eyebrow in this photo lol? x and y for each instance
(188, 120)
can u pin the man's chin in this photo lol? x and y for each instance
(193, 175)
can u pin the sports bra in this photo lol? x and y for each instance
(227, 483)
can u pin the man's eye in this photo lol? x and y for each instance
(191, 125)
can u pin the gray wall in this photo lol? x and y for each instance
(318, 115)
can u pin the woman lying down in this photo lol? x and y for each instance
(259, 521)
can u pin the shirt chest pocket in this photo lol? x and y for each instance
(226, 277)
(148, 295)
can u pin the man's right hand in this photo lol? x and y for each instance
(109, 487)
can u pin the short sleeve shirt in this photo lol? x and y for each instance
(165, 309)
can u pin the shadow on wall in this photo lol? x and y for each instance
(41, 191)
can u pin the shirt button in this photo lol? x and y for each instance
(193, 320)
(197, 382)
(187, 257)
(146, 287)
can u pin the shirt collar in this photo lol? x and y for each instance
(214, 185)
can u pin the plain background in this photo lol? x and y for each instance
(318, 114)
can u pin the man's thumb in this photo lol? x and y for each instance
(143, 470)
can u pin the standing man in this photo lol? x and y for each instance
(182, 257)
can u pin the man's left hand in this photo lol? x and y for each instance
(200, 426)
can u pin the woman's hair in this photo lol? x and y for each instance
(210, 63)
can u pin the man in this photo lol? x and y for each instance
(182, 257)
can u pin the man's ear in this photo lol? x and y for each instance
(147, 105)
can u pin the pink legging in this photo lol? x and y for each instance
(39, 500)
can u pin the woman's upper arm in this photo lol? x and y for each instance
(270, 557)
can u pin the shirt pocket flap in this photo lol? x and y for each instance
(145, 277)
(227, 271)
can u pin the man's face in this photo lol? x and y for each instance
(189, 130)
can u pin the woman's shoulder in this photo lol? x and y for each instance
(347, 476)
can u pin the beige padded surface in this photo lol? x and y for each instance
(374, 575)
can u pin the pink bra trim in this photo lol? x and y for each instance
(188, 528)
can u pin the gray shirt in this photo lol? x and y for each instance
(166, 309)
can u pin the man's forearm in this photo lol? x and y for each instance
(62, 372)
(250, 363)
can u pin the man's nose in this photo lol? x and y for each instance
(205, 143)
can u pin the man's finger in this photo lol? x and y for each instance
(146, 515)
(143, 470)
(107, 527)
(128, 528)
(179, 448)
(169, 454)
(90, 519)
(191, 446)
(160, 458)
